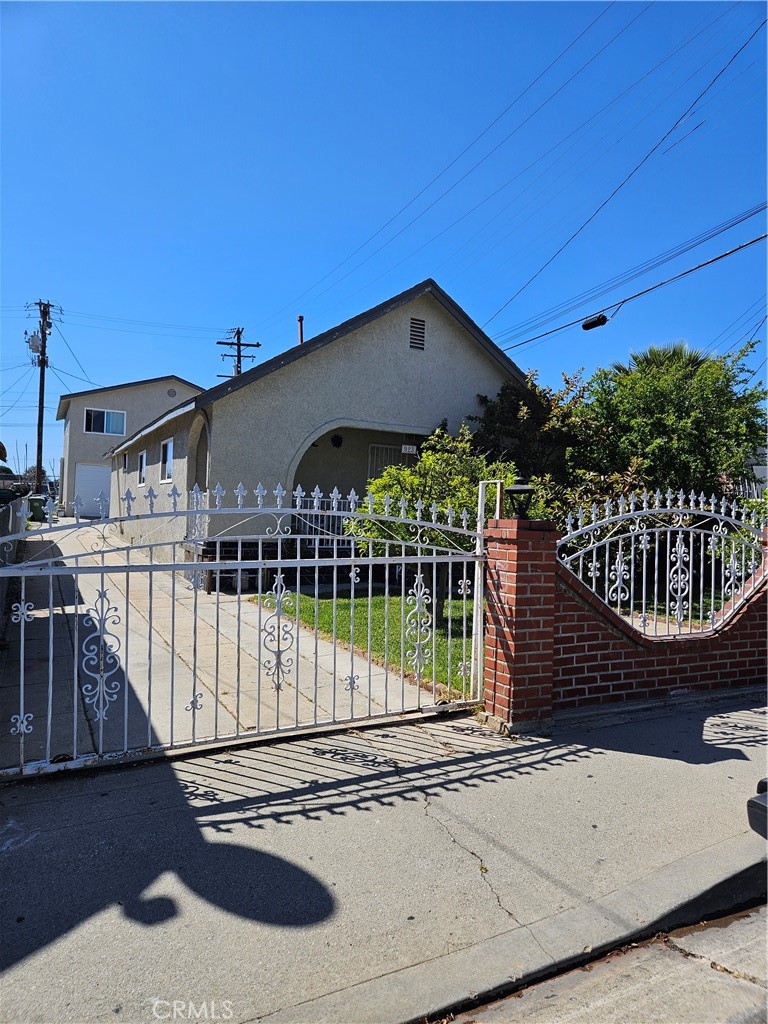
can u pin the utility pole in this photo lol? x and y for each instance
(235, 340)
(44, 309)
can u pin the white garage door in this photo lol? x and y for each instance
(89, 481)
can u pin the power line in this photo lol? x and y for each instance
(73, 375)
(144, 323)
(574, 132)
(628, 178)
(637, 295)
(10, 387)
(73, 354)
(471, 169)
(568, 305)
(126, 330)
(727, 331)
(55, 373)
(26, 388)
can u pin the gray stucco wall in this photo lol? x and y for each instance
(161, 530)
(369, 380)
(141, 404)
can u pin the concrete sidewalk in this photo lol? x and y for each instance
(371, 876)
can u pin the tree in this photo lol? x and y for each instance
(29, 475)
(534, 428)
(683, 420)
(676, 353)
(447, 473)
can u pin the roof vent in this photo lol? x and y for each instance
(418, 332)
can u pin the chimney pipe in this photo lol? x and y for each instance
(301, 329)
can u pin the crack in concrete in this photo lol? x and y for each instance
(483, 871)
(739, 975)
(435, 739)
(483, 868)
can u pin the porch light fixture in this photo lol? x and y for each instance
(519, 495)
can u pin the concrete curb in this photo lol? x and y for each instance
(709, 883)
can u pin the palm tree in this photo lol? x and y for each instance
(661, 357)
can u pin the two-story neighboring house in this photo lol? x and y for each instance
(94, 421)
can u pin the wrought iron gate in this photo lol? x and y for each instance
(669, 563)
(211, 625)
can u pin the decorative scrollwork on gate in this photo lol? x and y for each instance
(691, 561)
(22, 724)
(100, 658)
(278, 632)
(22, 611)
(418, 623)
(732, 575)
(618, 576)
(679, 580)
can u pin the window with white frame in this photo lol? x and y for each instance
(104, 421)
(142, 467)
(166, 460)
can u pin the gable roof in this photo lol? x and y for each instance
(428, 287)
(64, 400)
(232, 384)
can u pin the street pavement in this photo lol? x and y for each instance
(714, 973)
(372, 876)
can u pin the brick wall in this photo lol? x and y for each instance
(598, 658)
(552, 645)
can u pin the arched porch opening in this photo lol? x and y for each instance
(348, 457)
(199, 453)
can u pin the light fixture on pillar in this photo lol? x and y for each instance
(519, 495)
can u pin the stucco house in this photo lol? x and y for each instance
(94, 419)
(332, 412)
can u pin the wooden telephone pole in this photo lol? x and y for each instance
(44, 309)
(235, 340)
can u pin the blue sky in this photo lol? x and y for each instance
(173, 170)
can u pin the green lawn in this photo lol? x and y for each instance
(385, 622)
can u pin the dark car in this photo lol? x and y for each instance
(757, 809)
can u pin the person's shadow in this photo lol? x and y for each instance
(72, 846)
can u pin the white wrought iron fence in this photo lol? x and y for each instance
(124, 650)
(668, 563)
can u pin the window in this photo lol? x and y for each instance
(418, 333)
(166, 460)
(382, 455)
(142, 468)
(104, 421)
(125, 462)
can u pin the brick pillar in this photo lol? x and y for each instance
(519, 623)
